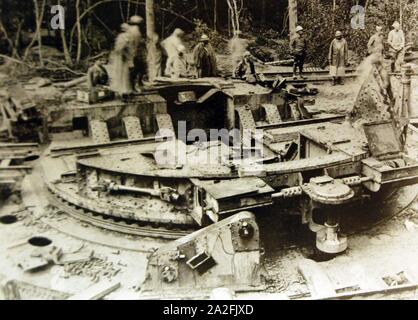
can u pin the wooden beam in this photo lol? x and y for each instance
(97, 291)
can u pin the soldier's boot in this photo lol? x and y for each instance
(301, 74)
(294, 73)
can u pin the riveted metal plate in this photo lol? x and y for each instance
(99, 131)
(294, 111)
(373, 103)
(164, 122)
(246, 118)
(133, 128)
(272, 113)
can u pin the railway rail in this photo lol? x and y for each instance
(118, 224)
(311, 74)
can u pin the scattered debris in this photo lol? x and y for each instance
(81, 256)
(30, 264)
(401, 278)
(95, 269)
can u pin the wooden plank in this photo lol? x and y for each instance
(18, 145)
(23, 168)
(367, 293)
(97, 291)
(5, 163)
(307, 164)
(319, 284)
(301, 122)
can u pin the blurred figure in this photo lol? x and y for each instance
(396, 41)
(121, 62)
(298, 47)
(179, 66)
(338, 57)
(204, 58)
(237, 48)
(139, 52)
(375, 44)
(246, 68)
(170, 46)
(154, 57)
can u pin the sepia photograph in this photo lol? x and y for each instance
(184, 151)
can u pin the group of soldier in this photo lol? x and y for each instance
(338, 50)
(133, 57)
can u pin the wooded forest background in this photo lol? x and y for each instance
(91, 25)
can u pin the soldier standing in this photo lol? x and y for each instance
(154, 57)
(298, 47)
(170, 46)
(237, 47)
(179, 66)
(138, 47)
(121, 61)
(396, 41)
(338, 57)
(204, 58)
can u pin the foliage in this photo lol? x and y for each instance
(267, 45)
(218, 42)
(265, 28)
(321, 21)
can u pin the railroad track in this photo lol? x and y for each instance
(312, 74)
(118, 224)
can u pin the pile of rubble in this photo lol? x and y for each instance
(96, 269)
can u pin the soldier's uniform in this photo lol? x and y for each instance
(298, 46)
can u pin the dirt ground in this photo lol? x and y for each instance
(336, 99)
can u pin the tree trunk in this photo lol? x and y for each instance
(151, 47)
(400, 13)
(39, 15)
(79, 35)
(293, 15)
(233, 15)
(215, 15)
(67, 54)
(16, 46)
